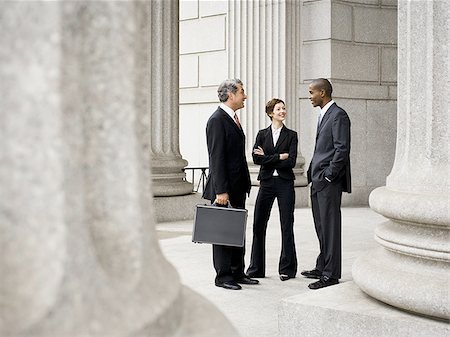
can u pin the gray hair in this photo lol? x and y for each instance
(229, 85)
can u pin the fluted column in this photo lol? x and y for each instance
(411, 270)
(79, 254)
(167, 164)
(264, 54)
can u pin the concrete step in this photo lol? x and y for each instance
(345, 311)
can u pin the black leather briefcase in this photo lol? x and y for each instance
(219, 225)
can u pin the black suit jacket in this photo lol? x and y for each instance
(287, 143)
(228, 169)
(331, 156)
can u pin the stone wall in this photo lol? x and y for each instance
(353, 43)
(203, 65)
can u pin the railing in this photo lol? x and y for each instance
(201, 180)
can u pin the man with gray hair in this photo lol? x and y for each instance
(229, 178)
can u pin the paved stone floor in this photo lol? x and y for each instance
(254, 309)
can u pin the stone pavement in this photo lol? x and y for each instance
(289, 309)
(254, 310)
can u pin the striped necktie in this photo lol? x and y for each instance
(236, 119)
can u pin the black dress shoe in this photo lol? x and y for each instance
(284, 277)
(324, 281)
(229, 285)
(312, 273)
(246, 280)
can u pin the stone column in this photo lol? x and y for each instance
(174, 198)
(410, 270)
(167, 163)
(264, 54)
(79, 254)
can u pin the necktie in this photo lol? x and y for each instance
(236, 118)
(319, 120)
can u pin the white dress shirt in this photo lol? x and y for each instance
(275, 136)
(324, 110)
(228, 110)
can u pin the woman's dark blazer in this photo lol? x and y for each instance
(287, 143)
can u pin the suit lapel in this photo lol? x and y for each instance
(283, 135)
(325, 118)
(231, 120)
(268, 139)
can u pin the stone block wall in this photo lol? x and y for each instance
(203, 66)
(354, 44)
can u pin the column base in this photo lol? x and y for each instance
(168, 177)
(169, 188)
(344, 310)
(407, 282)
(176, 208)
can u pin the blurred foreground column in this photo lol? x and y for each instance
(411, 270)
(79, 254)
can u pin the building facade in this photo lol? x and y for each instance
(277, 48)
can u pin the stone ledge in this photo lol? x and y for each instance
(354, 90)
(175, 208)
(344, 310)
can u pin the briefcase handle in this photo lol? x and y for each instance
(228, 205)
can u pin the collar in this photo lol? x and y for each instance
(276, 130)
(228, 110)
(324, 110)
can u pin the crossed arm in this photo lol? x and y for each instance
(276, 160)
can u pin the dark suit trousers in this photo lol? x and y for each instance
(283, 190)
(229, 261)
(326, 209)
